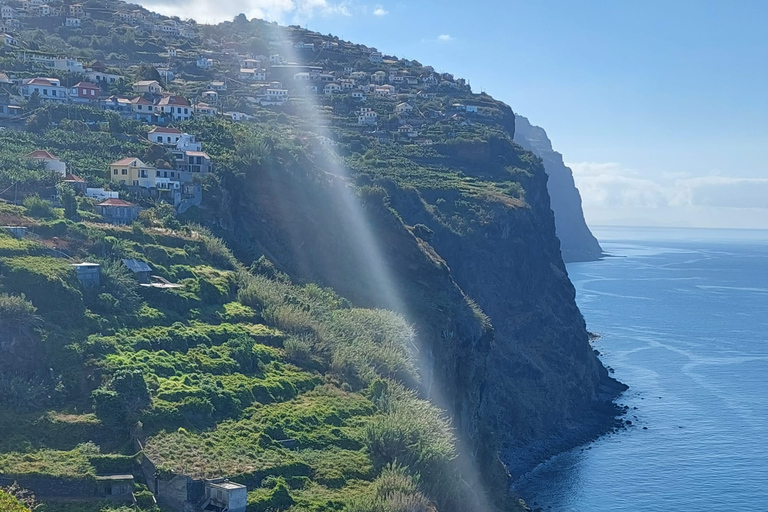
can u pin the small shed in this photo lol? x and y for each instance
(16, 231)
(115, 487)
(139, 268)
(89, 274)
(225, 495)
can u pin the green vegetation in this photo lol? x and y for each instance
(9, 503)
(238, 373)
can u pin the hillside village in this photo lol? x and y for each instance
(193, 72)
(118, 128)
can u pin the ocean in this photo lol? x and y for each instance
(682, 316)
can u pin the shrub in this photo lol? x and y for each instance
(9, 503)
(17, 316)
(50, 284)
(38, 207)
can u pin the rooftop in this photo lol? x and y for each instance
(163, 129)
(136, 265)
(115, 202)
(41, 154)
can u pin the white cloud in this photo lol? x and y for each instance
(284, 11)
(444, 38)
(612, 193)
(380, 11)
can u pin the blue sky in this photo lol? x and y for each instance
(661, 107)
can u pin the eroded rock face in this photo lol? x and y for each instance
(578, 242)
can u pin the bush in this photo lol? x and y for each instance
(38, 207)
(17, 316)
(9, 503)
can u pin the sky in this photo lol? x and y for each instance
(659, 107)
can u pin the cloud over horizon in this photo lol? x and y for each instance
(612, 193)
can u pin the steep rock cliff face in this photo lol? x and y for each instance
(522, 381)
(577, 241)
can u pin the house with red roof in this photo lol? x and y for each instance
(164, 135)
(177, 107)
(117, 211)
(49, 89)
(50, 162)
(84, 92)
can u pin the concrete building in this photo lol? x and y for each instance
(226, 495)
(89, 274)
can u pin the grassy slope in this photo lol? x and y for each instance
(245, 376)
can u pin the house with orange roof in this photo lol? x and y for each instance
(50, 162)
(132, 171)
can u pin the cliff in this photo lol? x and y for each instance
(576, 240)
(476, 267)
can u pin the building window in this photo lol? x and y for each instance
(114, 171)
(157, 174)
(124, 172)
(173, 174)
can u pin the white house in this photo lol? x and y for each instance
(279, 95)
(51, 162)
(98, 76)
(7, 12)
(408, 131)
(237, 116)
(204, 109)
(331, 88)
(72, 22)
(276, 59)
(219, 85)
(385, 91)
(48, 89)
(67, 64)
(302, 77)
(430, 80)
(148, 87)
(358, 95)
(367, 117)
(471, 109)
(379, 77)
(376, 57)
(8, 39)
(403, 108)
(204, 63)
(164, 135)
(255, 75)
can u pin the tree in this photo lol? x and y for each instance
(69, 201)
(147, 72)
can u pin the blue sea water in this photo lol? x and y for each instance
(683, 320)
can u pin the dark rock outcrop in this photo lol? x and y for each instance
(577, 241)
